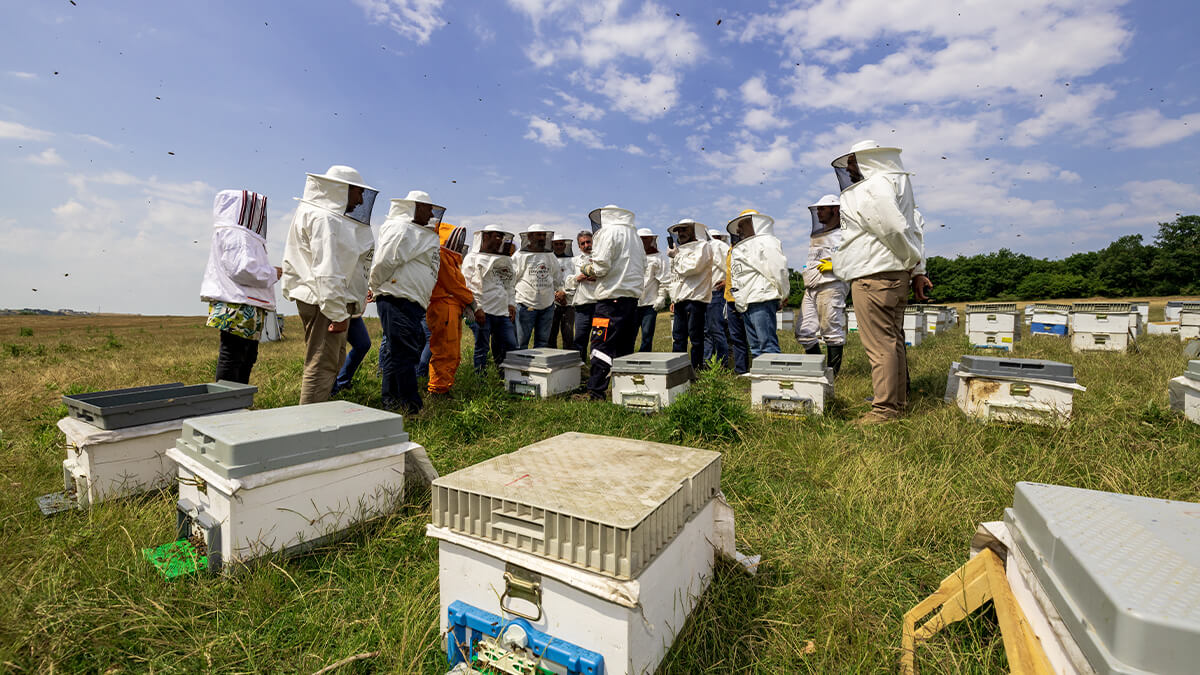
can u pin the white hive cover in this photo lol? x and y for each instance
(1123, 571)
(598, 502)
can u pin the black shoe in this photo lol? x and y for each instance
(835, 358)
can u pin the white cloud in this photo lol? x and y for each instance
(1148, 128)
(754, 92)
(537, 10)
(762, 119)
(509, 201)
(95, 139)
(651, 35)
(749, 164)
(21, 75)
(412, 19)
(1064, 111)
(47, 157)
(589, 138)
(642, 98)
(545, 132)
(577, 108)
(20, 132)
(634, 150)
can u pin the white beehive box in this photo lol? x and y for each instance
(1029, 314)
(285, 479)
(937, 318)
(784, 320)
(1137, 327)
(1013, 390)
(604, 543)
(542, 372)
(1049, 319)
(914, 326)
(1189, 320)
(1143, 309)
(1163, 328)
(851, 320)
(650, 381)
(1101, 317)
(994, 317)
(1184, 392)
(790, 384)
(1099, 342)
(1121, 573)
(1172, 311)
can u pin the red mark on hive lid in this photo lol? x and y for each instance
(519, 478)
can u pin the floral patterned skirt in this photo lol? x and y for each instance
(242, 320)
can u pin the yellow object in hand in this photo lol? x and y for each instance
(826, 265)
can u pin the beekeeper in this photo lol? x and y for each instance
(882, 254)
(758, 278)
(239, 281)
(325, 266)
(403, 274)
(584, 301)
(823, 308)
(563, 325)
(618, 264)
(689, 287)
(539, 284)
(450, 299)
(488, 271)
(652, 278)
(735, 324)
(715, 326)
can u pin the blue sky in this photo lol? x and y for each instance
(1045, 126)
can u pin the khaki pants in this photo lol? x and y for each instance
(323, 354)
(879, 302)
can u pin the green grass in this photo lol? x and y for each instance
(854, 526)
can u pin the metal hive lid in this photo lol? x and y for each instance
(541, 358)
(1103, 307)
(992, 307)
(795, 365)
(613, 481)
(1038, 369)
(657, 363)
(1123, 572)
(1051, 307)
(244, 443)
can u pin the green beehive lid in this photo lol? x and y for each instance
(245, 443)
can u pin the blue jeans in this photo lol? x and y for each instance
(689, 325)
(714, 328)
(426, 354)
(401, 319)
(536, 324)
(737, 340)
(583, 328)
(360, 344)
(760, 327)
(648, 317)
(499, 329)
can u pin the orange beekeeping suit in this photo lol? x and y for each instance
(444, 316)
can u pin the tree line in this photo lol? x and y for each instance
(1127, 267)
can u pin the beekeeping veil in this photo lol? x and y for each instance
(690, 229)
(866, 159)
(418, 206)
(241, 208)
(486, 242)
(568, 245)
(342, 190)
(749, 223)
(610, 215)
(453, 238)
(826, 215)
(531, 242)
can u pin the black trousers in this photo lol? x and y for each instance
(564, 325)
(688, 324)
(236, 357)
(583, 327)
(614, 333)
(401, 320)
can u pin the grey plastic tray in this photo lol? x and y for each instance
(553, 359)
(1193, 370)
(1102, 307)
(1038, 369)
(605, 504)
(794, 365)
(122, 408)
(1123, 571)
(992, 307)
(651, 363)
(245, 443)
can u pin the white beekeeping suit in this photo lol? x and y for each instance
(690, 274)
(654, 273)
(238, 269)
(538, 275)
(407, 259)
(757, 266)
(880, 229)
(618, 260)
(823, 308)
(719, 250)
(566, 266)
(584, 292)
(330, 245)
(489, 273)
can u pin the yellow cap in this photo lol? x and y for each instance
(747, 212)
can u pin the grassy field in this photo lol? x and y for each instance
(854, 525)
